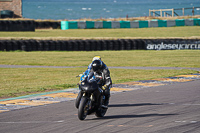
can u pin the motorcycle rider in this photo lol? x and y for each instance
(90, 65)
(102, 73)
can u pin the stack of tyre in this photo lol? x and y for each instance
(71, 45)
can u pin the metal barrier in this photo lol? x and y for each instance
(128, 24)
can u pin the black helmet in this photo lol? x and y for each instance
(96, 65)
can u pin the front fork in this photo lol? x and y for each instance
(90, 100)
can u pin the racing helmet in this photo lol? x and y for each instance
(96, 58)
(97, 65)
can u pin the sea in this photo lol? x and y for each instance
(96, 9)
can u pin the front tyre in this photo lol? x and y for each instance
(78, 99)
(83, 108)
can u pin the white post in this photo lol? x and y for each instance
(160, 12)
(149, 12)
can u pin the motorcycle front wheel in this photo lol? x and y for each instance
(78, 99)
(83, 108)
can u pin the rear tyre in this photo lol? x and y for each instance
(83, 108)
(101, 111)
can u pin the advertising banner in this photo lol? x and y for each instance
(172, 45)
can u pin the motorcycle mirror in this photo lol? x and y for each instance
(80, 75)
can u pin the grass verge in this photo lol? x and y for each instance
(167, 58)
(24, 81)
(160, 32)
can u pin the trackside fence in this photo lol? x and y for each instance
(128, 24)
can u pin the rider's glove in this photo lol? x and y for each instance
(104, 87)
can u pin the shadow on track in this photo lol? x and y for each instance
(132, 105)
(133, 116)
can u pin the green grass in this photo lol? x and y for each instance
(167, 58)
(186, 31)
(22, 81)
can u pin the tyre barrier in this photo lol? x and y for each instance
(47, 25)
(98, 45)
(27, 25)
(18, 25)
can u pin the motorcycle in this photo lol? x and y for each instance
(90, 98)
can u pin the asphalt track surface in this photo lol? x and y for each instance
(172, 108)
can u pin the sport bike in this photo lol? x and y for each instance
(90, 99)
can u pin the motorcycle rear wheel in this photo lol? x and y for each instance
(83, 108)
(101, 111)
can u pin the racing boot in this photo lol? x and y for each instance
(106, 102)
